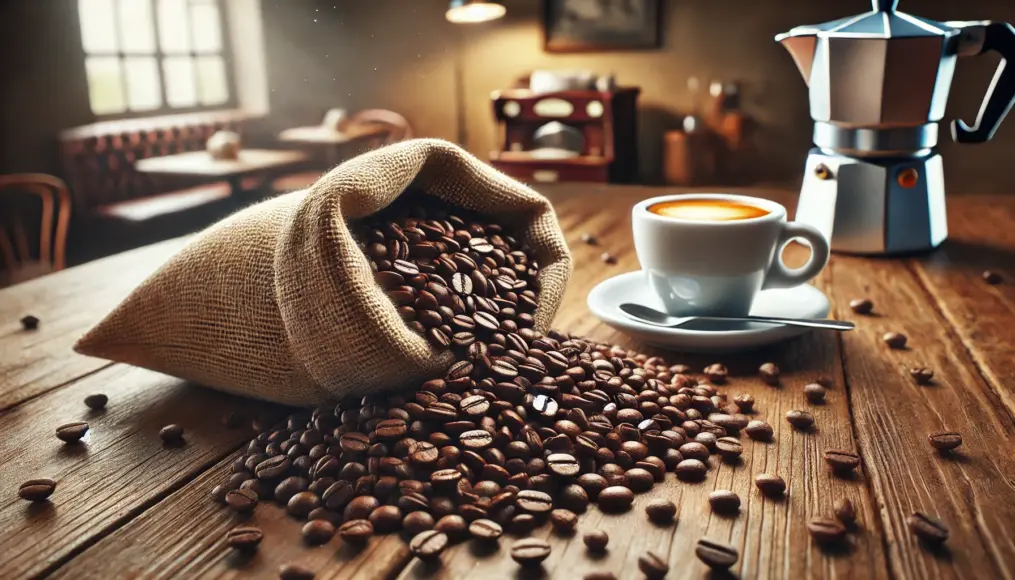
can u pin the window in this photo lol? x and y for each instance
(153, 55)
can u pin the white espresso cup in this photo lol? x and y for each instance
(705, 267)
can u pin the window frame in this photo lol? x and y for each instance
(226, 54)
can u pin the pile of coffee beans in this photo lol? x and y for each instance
(455, 277)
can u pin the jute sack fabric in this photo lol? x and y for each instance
(278, 302)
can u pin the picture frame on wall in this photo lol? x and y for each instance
(601, 25)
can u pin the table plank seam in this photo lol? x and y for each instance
(15, 404)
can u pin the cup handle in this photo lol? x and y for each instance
(779, 276)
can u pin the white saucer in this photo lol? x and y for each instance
(803, 301)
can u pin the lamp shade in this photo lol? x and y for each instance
(473, 11)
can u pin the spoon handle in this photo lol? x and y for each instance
(806, 322)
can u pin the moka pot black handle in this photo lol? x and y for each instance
(999, 37)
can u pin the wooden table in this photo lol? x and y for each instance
(331, 140)
(202, 165)
(128, 507)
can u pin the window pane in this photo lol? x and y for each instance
(178, 73)
(137, 26)
(144, 92)
(98, 25)
(105, 85)
(205, 27)
(173, 33)
(211, 80)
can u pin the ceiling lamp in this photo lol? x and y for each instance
(473, 11)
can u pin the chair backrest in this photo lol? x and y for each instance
(397, 127)
(15, 248)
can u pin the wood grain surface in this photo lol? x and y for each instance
(127, 507)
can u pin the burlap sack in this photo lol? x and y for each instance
(278, 302)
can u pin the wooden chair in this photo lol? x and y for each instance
(397, 127)
(16, 262)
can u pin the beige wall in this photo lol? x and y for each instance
(400, 54)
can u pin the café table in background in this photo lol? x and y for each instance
(249, 162)
(335, 144)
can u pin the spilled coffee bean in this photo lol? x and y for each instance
(716, 373)
(894, 340)
(770, 485)
(991, 277)
(759, 430)
(826, 530)
(745, 402)
(716, 555)
(921, 375)
(607, 258)
(96, 402)
(428, 544)
(861, 305)
(815, 393)
(171, 434)
(487, 530)
(842, 462)
(563, 521)
(845, 511)
(661, 511)
(72, 432)
(729, 448)
(316, 532)
(945, 440)
(244, 538)
(769, 374)
(927, 528)
(801, 420)
(29, 322)
(36, 489)
(589, 239)
(596, 540)
(724, 501)
(356, 531)
(292, 571)
(653, 566)
(530, 551)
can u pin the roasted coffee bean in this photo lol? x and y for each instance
(615, 498)
(563, 521)
(745, 402)
(716, 373)
(241, 500)
(484, 529)
(927, 528)
(36, 489)
(589, 239)
(316, 532)
(894, 340)
(428, 544)
(530, 551)
(770, 485)
(599, 575)
(607, 258)
(301, 504)
(337, 495)
(694, 450)
(96, 402)
(729, 448)
(596, 540)
(477, 439)
(842, 462)
(991, 277)
(639, 480)
(653, 566)
(534, 502)
(244, 538)
(861, 305)
(562, 465)
(171, 434)
(801, 420)
(452, 525)
(922, 375)
(815, 393)
(845, 511)
(732, 423)
(945, 440)
(416, 523)
(724, 501)
(716, 555)
(523, 523)
(759, 430)
(356, 530)
(295, 572)
(826, 530)
(691, 470)
(72, 432)
(29, 322)
(661, 511)
(769, 374)
(386, 519)
(273, 467)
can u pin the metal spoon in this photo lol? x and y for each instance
(656, 318)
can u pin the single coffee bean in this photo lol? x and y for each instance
(289, 487)
(653, 566)
(171, 433)
(241, 500)
(769, 374)
(770, 485)
(661, 511)
(861, 305)
(596, 540)
(945, 440)
(745, 402)
(759, 430)
(729, 448)
(927, 528)
(563, 521)
(691, 470)
(575, 498)
(724, 501)
(607, 258)
(600, 575)
(815, 393)
(530, 551)
(716, 373)
(36, 489)
(801, 420)
(589, 239)
(416, 522)
(301, 504)
(273, 467)
(615, 498)
(295, 572)
(732, 423)
(96, 402)
(562, 465)
(716, 555)
(386, 519)
(428, 544)
(361, 507)
(694, 450)
(29, 322)
(844, 510)
(354, 531)
(316, 532)
(922, 375)
(535, 502)
(484, 529)
(826, 530)
(894, 340)
(640, 480)
(522, 524)
(72, 432)
(453, 526)
(991, 277)
(244, 538)
(842, 462)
